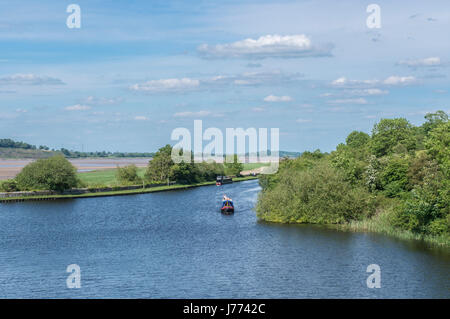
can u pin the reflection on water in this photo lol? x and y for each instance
(178, 245)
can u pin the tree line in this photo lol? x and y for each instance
(58, 174)
(398, 176)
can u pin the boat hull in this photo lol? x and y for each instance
(227, 210)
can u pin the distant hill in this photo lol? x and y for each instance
(22, 153)
(290, 154)
(15, 150)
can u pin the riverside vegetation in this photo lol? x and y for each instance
(56, 173)
(395, 181)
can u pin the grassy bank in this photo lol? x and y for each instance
(121, 192)
(379, 224)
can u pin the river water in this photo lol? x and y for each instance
(177, 245)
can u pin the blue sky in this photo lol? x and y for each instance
(136, 70)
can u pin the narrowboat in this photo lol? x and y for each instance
(227, 207)
(220, 180)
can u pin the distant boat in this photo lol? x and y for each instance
(227, 207)
(220, 180)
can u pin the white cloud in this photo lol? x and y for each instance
(77, 107)
(399, 80)
(141, 118)
(257, 109)
(252, 79)
(166, 85)
(303, 120)
(102, 100)
(344, 82)
(427, 62)
(192, 114)
(357, 92)
(274, 98)
(367, 92)
(29, 79)
(273, 46)
(393, 80)
(349, 101)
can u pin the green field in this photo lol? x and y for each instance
(105, 177)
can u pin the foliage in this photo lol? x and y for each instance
(357, 139)
(159, 168)
(392, 134)
(317, 195)
(393, 177)
(401, 164)
(6, 142)
(128, 174)
(54, 173)
(234, 167)
(9, 185)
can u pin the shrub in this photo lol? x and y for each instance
(317, 195)
(53, 173)
(394, 179)
(127, 174)
(9, 186)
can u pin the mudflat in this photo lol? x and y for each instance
(9, 168)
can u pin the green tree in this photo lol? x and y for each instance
(54, 173)
(235, 167)
(317, 195)
(438, 145)
(127, 174)
(394, 176)
(159, 167)
(184, 173)
(434, 120)
(392, 134)
(357, 139)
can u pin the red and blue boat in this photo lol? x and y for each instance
(227, 207)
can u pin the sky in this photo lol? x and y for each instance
(136, 70)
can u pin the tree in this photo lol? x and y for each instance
(159, 168)
(391, 134)
(184, 173)
(434, 120)
(394, 177)
(127, 174)
(438, 145)
(53, 173)
(235, 167)
(357, 139)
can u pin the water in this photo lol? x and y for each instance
(178, 245)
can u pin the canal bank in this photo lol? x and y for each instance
(131, 190)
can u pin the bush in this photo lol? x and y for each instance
(440, 226)
(317, 195)
(54, 173)
(128, 174)
(9, 186)
(394, 179)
